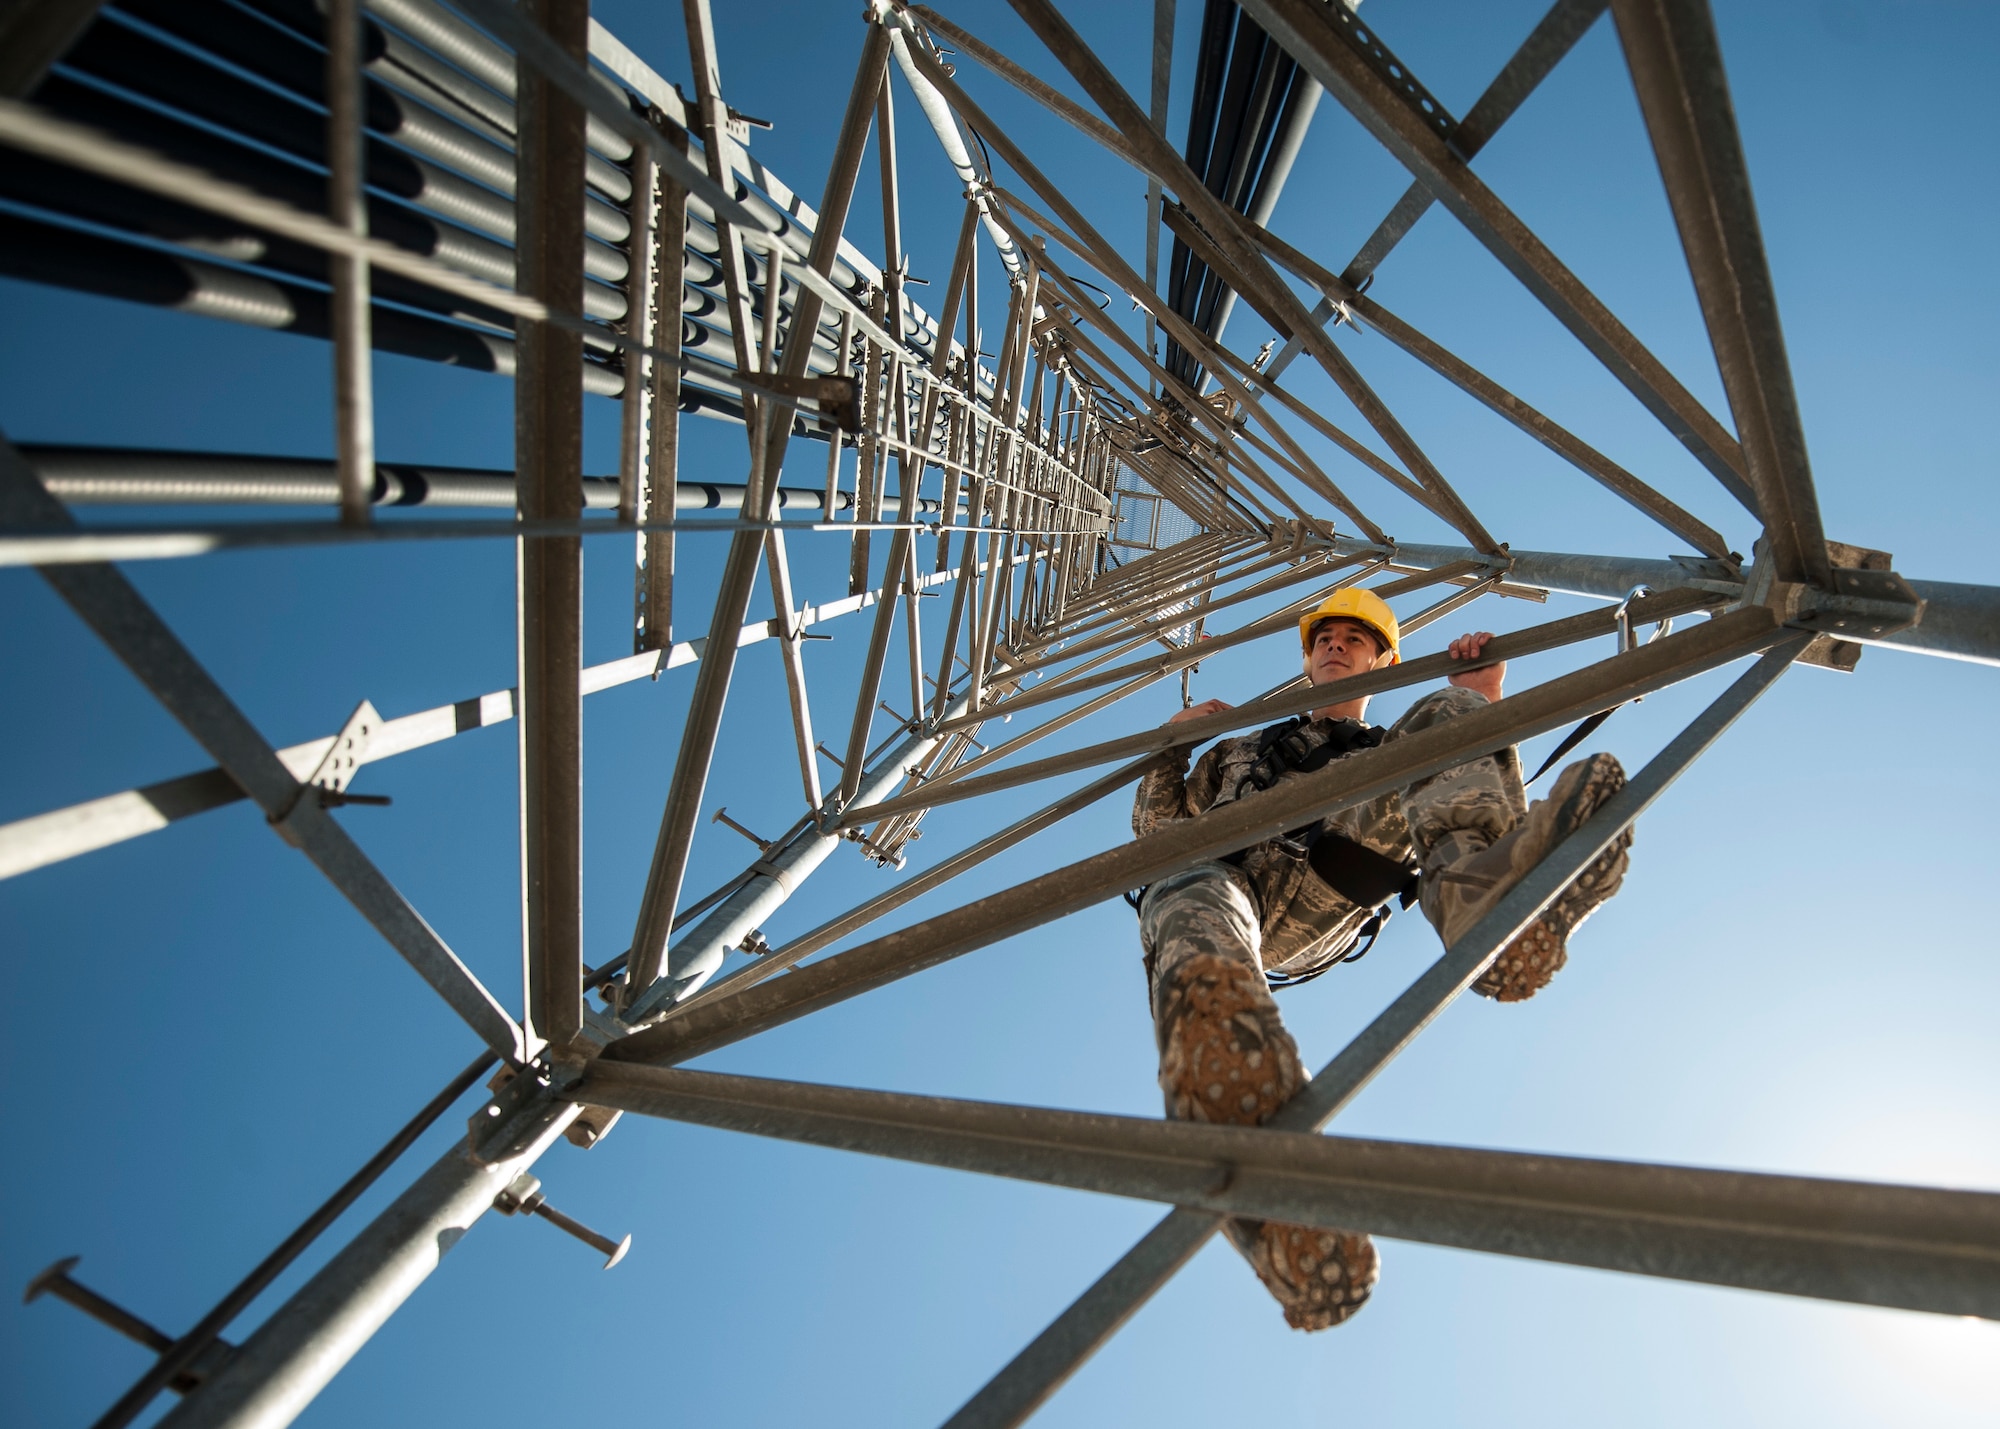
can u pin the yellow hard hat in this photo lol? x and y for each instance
(1357, 604)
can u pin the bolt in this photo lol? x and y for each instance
(721, 816)
(56, 1281)
(591, 1126)
(523, 1196)
(335, 798)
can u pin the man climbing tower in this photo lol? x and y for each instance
(1292, 906)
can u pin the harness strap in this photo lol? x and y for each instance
(1353, 952)
(1358, 873)
(1575, 737)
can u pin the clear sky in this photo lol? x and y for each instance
(204, 1039)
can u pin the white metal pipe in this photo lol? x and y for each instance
(86, 476)
(353, 371)
(698, 956)
(946, 124)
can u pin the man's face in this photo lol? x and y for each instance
(1341, 648)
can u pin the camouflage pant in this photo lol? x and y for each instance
(1482, 796)
(1207, 907)
(1212, 907)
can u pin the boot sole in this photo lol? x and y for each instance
(1527, 964)
(1229, 1058)
(1320, 1278)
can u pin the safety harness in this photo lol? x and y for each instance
(1359, 874)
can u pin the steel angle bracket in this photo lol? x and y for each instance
(1867, 601)
(521, 1109)
(1722, 577)
(836, 396)
(1863, 604)
(569, 1065)
(336, 768)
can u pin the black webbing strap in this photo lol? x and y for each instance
(1359, 874)
(1366, 879)
(1573, 739)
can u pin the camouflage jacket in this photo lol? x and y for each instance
(1302, 917)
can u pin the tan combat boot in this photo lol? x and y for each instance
(1462, 893)
(1226, 1057)
(1320, 1278)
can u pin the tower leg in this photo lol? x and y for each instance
(293, 1356)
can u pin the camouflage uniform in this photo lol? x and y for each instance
(1273, 911)
(1210, 930)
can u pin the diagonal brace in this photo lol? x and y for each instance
(110, 605)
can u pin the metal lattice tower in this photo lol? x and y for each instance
(511, 189)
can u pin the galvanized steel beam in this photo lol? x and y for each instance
(1317, 44)
(697, 746)
(1546, 45)
(1676, 64)
(548, 454)
(1907, 1247)
(279, 1370)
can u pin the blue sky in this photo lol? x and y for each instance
(205, 1040)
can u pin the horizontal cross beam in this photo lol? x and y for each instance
(1909, 1247)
